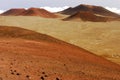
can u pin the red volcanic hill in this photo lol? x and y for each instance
(28, 55)
(91, 8)
(38, 12)
(30, 12)
(13, 12)
(89, 16)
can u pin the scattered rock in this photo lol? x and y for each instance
(42, 78)
(18, 74)
(46, 75)
(12, 73)
(57, 79)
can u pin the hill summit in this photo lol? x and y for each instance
(29, 12)
(91, 8)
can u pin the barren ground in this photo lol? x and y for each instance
(101, 38)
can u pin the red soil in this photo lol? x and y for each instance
(30, 12)
(13, 12)
(24, 58)
(91, 8)
(89, 16)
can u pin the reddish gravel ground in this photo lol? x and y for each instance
(46, 58)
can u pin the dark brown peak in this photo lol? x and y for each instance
(92, 8)
(85, 7)
(89, 6)
(81, 6)
(71, 11)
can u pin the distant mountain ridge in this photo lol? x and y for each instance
(92, 13)
(91, 8)
(29, 12)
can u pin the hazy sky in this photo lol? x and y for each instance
(6, 4)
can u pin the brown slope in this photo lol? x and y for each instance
(91, 8)
(89, 16)
(13, 12)
(16, 32)
(25, 59)
(38, 12)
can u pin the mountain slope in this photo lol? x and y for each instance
(30, 58)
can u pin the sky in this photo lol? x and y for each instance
(60, 4)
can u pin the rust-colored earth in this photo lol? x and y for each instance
(29, 12)
(27, 55)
